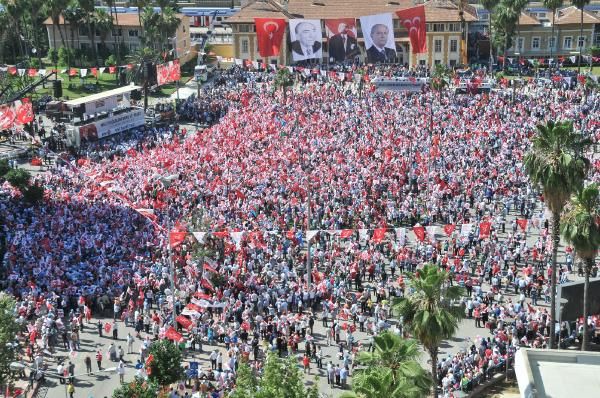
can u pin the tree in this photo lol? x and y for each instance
(8, 332)
(579, 227)
(4, 168)
(165, 368)
(397, 355)
(103, 23)
(553, 5)
(89, 7)
(377, 382)
(429, 311)
(169, 22)
(141, 4)
(74, 17)
(55, 9)
(504, 23)
(556, 164)
(518, 6)
(18, 178)
(489, 5)
(138, 388)
(33, 193)
(245, 382)
(283, 80)
(580, 4)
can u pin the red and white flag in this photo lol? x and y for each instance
(269, 35)
(413, 20)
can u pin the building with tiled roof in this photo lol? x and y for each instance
(443, 26)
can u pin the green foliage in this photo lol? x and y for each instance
(440, 76)
(578, 224)
(111, 60)
(8, 332)
(66, 55)
(4, 167)
(281, 379)
(166, 367)
(138, 388)
(33, 193)
(396, 359)
(53, 56)
(555, 162)
(595, 51)
(18, 178)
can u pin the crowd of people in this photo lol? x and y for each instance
(328, 159)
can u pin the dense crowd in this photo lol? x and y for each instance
(359, 161)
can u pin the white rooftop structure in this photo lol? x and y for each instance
(102, 95)
(557, 373)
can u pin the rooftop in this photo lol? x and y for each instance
(102, 95)
(435, 11)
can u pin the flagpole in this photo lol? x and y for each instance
(308, 266)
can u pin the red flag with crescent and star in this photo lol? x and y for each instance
(413, 20)
(269, 34)
(25, 112)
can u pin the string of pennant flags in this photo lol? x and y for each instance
(83, 72)
(377, 235)
(542, 61)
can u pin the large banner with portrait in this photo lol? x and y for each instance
(167, 73)
(341, 42)
(306, 35)
(378, 31)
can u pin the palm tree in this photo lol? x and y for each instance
(580, 4)
(283, 80)
(430, 313)
(88, 8)
(378, 382)
(169, 22)
(140, 4)
(505, 20)
(151, 26)
(104, 24)
(399, 356)
(117, 41)
(556, 163)
(55, 8)
(489, 5)
(73, 16)
(518, 6)
(553, 5)
(580, 228)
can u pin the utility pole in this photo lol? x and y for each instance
(308, 265)
(171, 273)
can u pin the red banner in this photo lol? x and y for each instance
(522, 222)
(183, 321)
(378, 235)
(32, 72)
(112, 69)
(269, 35)
(166, 73)
(174, 71)
(484, 229)
(7, 117)
(176, 238)
(346, 233)
(413, 20)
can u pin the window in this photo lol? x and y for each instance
(581, 42)
(422, 62)
(245, 46)
(453, 45)
(567, 42)
(535, 43)
(83, 31)
(84, 46)
(552, 42)
(437, 45)
(245, 28)
(542, 15)
(133, 47)
(117, 32)
(133, 33)
(452, 62)
(453, 27)
(437, 62)
(520, 43)
(438, 27)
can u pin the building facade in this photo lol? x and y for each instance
(444, 42)
(126, 32)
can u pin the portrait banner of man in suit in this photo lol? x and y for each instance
(378, 31)
(341, 42)
(306, 35)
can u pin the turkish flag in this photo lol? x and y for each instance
(484, 229)
(174, 335)
(73, 72)
(176, 238)
(94, 71)
(269, 35)
(205, 283)
(419, 232)
(379, 234)
(174, 71)
(449, 228)
(112, 69)
(31, 72)
(107, 327)
(183, 321)
(346, 233)
(12, 70)
(208, 268)
(522, 222)
(221, 234)
(413, 20)
(25, 112)
(7, 117)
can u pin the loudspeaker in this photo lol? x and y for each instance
(136, 95)
(122, 78)
(151, 71)
(57, 88)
